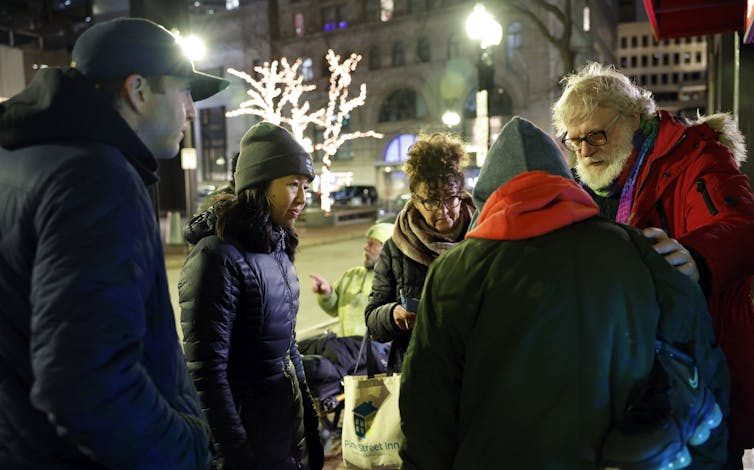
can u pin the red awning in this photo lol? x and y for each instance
(674, 18)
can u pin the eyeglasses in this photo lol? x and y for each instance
(450, 202)
(594, 138)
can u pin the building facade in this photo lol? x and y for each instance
(674, 70)
(417, 63)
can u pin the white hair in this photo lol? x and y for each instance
(597, 85)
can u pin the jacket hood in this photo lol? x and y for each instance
(200, 226)
(62, 105)
(533, 204)
(520, 147)
(727, 133)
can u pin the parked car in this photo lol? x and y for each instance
(356, 195)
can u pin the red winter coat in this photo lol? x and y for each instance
(691, 187)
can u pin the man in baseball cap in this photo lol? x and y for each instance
(91, 371)
(124, 46)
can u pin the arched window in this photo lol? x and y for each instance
(513, 42)
(454, 46)
(307, 70)
(401, 105)
(375, 60)
(399, 55)
(423, 50)
(500, 103)
(396, 151)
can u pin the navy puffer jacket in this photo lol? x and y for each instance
(238, 313)
(91, 372)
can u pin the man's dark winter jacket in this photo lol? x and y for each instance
(532, 334)
(394, 273)
(238, 313)
(91, 372)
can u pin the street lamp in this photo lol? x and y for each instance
(451, 118)
(481, 26)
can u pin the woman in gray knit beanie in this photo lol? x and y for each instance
(239, 297)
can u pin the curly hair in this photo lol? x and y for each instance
(246, 218)
(436, 160)
(598, 85)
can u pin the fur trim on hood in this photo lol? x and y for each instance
(728, 133)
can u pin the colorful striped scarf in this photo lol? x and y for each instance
(644, 141)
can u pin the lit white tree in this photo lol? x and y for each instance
(338, 109)
(276, 96)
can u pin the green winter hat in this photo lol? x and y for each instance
(267, 152)
(381, 231)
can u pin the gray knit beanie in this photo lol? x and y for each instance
(520, 147)
(268, 152)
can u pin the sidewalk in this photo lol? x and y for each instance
(307, 236)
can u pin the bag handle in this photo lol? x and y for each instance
(371, 360)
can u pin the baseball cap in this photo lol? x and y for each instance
(117, 48)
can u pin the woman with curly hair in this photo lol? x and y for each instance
(239, 297)
(432, 221)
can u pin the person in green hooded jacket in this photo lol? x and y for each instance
(347, 298)
(534, 345)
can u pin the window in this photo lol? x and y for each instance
(396, 151)
(307, 71)
(674, 77)
(653, 79)
(215, 163)
(454, 47)
(334, 17)
(329, 18)
(664, 79)
(386, 10)
(643, 80)
(644, 60)
(633, 61)
(634, 41)
(655, 59)
(587, 20)
(687, 57)
(423, 50)
(665, 59)
(699, 57)
(645, 41)
(298, 23)
(399, 55)
(623, 42)
(401, 105)
(375, 60)
(676, 58)
(513, 42)
(623, 62)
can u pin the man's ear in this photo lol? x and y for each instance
(135, 93)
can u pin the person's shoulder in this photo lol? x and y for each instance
(355, 271)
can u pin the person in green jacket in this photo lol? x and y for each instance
(347, 298)
(535, 341)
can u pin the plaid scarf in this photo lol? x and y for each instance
(644, 141)
(422, 243)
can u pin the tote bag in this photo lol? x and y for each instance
(371, 433)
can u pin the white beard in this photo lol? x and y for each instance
(599, 177)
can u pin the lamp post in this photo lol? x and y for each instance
(195, 49)
(451, 118)
(481, 26)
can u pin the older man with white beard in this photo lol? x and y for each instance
(680, 182)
